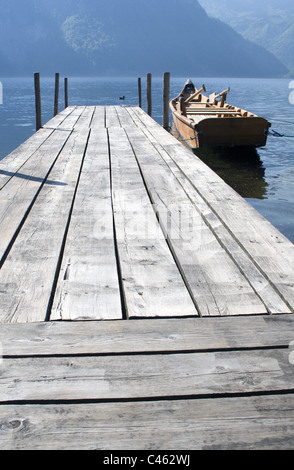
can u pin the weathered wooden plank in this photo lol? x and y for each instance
(88, 286)
(28, 274)
(146, 376)
(139, 336)
(271, 252)
(136, 116)
(152, 283)
(99, 117)
(272, 300)
(16, 159)
(112, 119)
(217, 284)
(143, 119)
(70, 121)
(124, 117)
(57, 120)
(19, 194)
(244, 423)
(84, 121)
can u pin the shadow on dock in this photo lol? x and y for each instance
(31, 178)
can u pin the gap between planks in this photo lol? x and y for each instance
(275, 253)
(145, 146)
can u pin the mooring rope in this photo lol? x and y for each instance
(277, 134)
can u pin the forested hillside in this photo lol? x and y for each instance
(269, 23)
(94, 37)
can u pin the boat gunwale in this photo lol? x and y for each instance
(190, 120)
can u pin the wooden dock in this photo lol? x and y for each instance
(143, 303)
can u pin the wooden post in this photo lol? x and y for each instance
(166, 88)
(140, 92)
(38, 101)
(149, 97)
(66, 92)
(56, 95)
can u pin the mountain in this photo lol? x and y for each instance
(30, 39)
(269, 23)
(130, 37)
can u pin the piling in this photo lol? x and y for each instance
(166, 93)
(56, 95)
(38, 101)
(66, 92)
(140, 92)
(149, 97)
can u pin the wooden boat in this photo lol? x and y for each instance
(202, 120)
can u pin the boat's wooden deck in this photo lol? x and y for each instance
(105, 216)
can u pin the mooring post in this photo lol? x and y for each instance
(38, 101)
(166, 91)
(149, 97)
(66, 92)
(56, 95)
(140, 92)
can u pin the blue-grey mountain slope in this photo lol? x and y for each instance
(269, 23)
(94, 37)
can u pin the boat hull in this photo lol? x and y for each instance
(228, 131)
(205, 121)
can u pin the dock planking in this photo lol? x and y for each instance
(144, 304)
(151, 280)
(75, 204)
(88, 284)
(178, 383)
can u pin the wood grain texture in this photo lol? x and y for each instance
(112, 119)
(19, 194)
(124, 117)
(18, 157)
(263, 244)
(152, 283)
(27, 277)
(88, 286)
(145, 376)
(155, 419)
(216, 382)
(261, 285)
(98, 121)
(247, 423)
(217, 285)
(145, 335)
(204, 250)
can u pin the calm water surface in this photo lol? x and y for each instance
(264, 178)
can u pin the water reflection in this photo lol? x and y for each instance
(241, 168)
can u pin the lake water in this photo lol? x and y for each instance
(265, 178)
